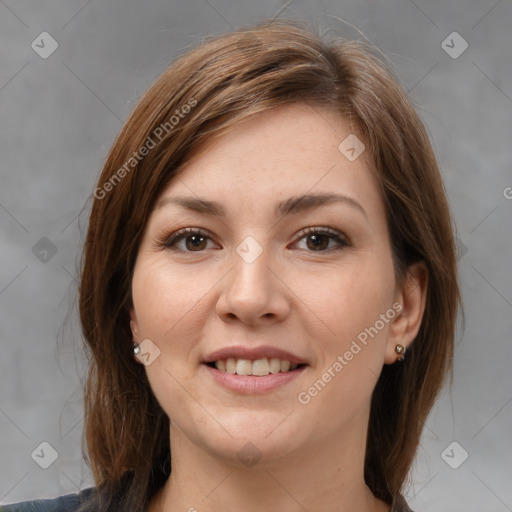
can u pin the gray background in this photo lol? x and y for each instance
(59, 116)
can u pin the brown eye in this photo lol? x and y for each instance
(197, 242)
(194, 240)
(319, 240)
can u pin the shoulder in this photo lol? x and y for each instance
(67, 503)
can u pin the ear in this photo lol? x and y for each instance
(406, 324)
(134, 325)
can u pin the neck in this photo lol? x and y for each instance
(326, 476)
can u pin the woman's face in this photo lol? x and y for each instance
(271, 269)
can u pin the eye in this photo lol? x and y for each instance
(196, 240)
(319, 239)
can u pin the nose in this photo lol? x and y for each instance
(254, 292)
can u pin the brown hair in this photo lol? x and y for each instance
(204, 93)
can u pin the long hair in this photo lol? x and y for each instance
(204, 93)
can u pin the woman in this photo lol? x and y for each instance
(269, 286)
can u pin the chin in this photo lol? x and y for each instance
(249, 443)
(252, 453)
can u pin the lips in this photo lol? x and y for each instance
(253, 353)
(253, 370)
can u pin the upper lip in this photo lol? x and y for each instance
(253, 353)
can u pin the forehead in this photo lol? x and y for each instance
(287, 151)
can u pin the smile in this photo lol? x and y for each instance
(253, 377)
(259, 367)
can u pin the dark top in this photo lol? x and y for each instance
(71, 502)
(67, 503)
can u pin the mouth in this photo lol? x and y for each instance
(255, 367)
(253, 377)
(253, 370)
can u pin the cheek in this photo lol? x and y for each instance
(166, 303)
(165, 298)
(351, 353)
(348, 300)
(354, 304)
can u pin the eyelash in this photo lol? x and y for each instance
(169, 241)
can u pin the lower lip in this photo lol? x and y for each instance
(250, 384)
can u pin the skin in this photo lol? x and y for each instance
(312, 302)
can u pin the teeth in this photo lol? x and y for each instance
(243, 367)
(230, 365)
(275, 365)
(258, 367)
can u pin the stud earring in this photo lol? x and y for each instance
(136, 349)
(400, 349)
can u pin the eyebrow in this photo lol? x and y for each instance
(290, 206)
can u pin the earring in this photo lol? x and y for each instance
(136, 349)
(400, 349)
